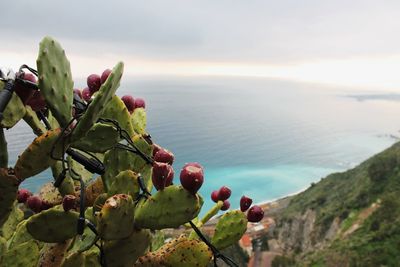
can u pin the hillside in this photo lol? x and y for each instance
(346, 219)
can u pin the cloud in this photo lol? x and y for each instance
(247, 31)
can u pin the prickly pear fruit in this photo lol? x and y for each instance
(35, 203)
(164, 155)
(129, 102)
(94, 83)
(23, 195)
(255, 214)
(245, 203)
(224, 193)
(86, 94)
(105, 75)
(226, 205)
(37, 101)
(156, 148)
(139, 103)
(192, 178)
(214, 196)
(23, 92)
(69, 202)
(162, 175)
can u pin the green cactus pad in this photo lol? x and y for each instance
(15, 110)
(126, 182)
(116, 110)
(139, 121)
(74, 260)
(93, 190)
(115, 220)
(13, 219)
(229, 229)
(99, 202)
(78, 168)
(3, 150)
(97, 106)
(3, 246)
(49, 194)
(100, 138)
(53, 225)
(23, 255)
(188, 253)
(168, 208)
(67, 187)
(53, 254)
(33, 121)
(92, 258)
(55, 79)
(8, 193)
(115, 161)
(125, 252)
(36, 158)
(21, 235)
(52, 121)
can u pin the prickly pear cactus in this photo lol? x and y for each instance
(114, 218)
(55, 79)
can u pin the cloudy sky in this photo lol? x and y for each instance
(350, 43)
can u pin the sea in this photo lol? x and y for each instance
(262, 138)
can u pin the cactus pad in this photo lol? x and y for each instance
(126, 182)
(139, 120)
(25, 254)
(8, 193)
(229, 229)
(21, 235)
(100, 138)
(125, 252)
(93, 190)
(53, 225)
(15, 110)
(33, 121)
(168, 208)
(115, 220)
(53, 254)
(116, 110)
(13, 219)
(96, 107)
(36, 158)
(188, 253)
(55, 79)
(50, 195)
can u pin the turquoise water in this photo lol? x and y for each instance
(262, 138)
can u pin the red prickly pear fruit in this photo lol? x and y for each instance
(170, 176)
(226, 205)
(69, 202)
(224, 193)
(255, 214)
(164, 155)
(78, 92)
(156, 148)
(86, 94)
(129, 102)
(192, 177)
(139, 103)
(34, 203)
(162, 173)
(195, 164)
(25, 93)
(105, 75)
(245, 203)
(94, 83)
(37, 101)
(214, 196)
(23, 195)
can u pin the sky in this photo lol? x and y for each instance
(347, 43)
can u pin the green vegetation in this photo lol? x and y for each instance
(376, 242)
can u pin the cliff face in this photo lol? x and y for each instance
(346, 219)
